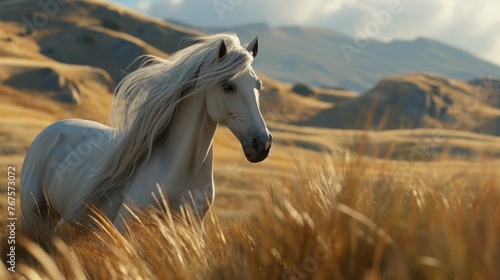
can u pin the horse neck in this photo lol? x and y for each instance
(190, 139)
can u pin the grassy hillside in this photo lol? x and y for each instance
(94, 33)
(419, 100)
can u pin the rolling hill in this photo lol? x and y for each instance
(418, 100)
(94, 33)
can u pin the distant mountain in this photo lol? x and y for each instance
(317, 56)
(418, 100)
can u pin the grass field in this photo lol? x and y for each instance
(340, 218)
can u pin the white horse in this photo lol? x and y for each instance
(162, 126)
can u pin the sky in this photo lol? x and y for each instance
(471, 25)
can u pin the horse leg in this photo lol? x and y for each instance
(38, 219)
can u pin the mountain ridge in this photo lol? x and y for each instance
(314, 55)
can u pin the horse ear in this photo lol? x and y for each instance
(222, 50)
(253, 47)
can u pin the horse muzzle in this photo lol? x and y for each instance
(257, 147)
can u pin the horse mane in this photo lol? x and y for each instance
(146, 101)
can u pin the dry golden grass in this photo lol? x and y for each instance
(327, 223)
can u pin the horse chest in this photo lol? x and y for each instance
(180, 188)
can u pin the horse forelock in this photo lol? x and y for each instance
(147, 99)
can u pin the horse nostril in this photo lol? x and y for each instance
(268, 144)
(255, 144)
(270, 141)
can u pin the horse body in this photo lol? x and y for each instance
(161, 144)
(73, 149)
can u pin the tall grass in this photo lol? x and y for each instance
(327, 223)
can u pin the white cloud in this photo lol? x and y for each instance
(175, 2)
(144, 6)
(471, 25)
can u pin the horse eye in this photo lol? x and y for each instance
(228, 88)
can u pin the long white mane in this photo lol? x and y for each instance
(146, 101)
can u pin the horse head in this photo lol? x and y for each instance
(234, 102)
